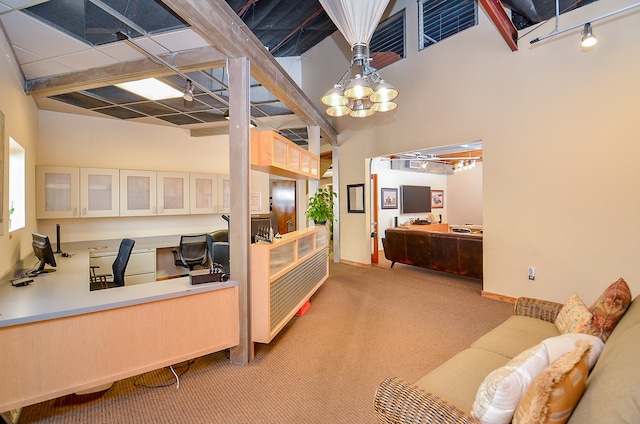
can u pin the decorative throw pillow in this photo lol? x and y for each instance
(559, 345)
(502, 389)
(609, 308)
(574, 317)
(554, 393)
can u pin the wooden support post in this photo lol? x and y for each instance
(239, 157)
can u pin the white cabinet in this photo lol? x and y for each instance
(57, 192)
(173, 193)
(203, 194)
(224, 194)
(140, 269)
(71, 192)
(137, 193)
(99, 192)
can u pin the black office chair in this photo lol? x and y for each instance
(191, 252)
(219, 235)
(218, 253)
(118, 268)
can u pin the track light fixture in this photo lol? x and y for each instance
(588, 39)
(188, 92)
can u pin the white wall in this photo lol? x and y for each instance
(560, 133)
(21, 123)
(463, 200)
(111, 143)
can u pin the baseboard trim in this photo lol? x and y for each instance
(501, 298)
(360, 264)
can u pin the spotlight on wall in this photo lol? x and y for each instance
(588, 39)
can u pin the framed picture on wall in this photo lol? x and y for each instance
(389, 198)
(355, 198)
(437, 199)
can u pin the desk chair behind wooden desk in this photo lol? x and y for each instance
(116, 279)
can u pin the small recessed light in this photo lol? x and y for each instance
(151, 88)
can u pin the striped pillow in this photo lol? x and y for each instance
(574, 317)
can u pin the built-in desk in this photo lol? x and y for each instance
(57, 337)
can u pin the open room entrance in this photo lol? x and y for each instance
(432, 186)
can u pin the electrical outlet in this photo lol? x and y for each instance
(532, 273)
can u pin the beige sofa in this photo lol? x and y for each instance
(446, 394)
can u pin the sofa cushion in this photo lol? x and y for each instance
(554, 393)
(515, 335)
(458, 379)
(502, 389)
(609, 308)
(613, 392)
(574, 317)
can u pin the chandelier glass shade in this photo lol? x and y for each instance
(361, 91)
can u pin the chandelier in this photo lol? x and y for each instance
(361, 91)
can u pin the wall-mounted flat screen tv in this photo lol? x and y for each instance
(415, 199)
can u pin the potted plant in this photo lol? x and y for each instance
(320, 208)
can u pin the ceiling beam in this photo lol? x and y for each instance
(186, 60)
(220, 26)
(501, 20)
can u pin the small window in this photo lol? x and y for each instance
(439, 19)
(387, 43)
(17, 215)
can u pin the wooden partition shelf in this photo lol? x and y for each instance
(274, 154)
(284, 275)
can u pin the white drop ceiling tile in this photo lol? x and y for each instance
(4, 7)
(35, 36)
(44, 68)
(86, 59)
(120, 51)
(25, 56)
(150, 45)
(21, 3)
(180, 40)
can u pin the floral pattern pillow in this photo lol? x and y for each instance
(609, 308)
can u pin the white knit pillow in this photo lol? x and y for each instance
(502, 389)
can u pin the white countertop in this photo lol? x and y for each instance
(65, 292)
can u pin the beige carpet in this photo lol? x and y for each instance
(364, 324)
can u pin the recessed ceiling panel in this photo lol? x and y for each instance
(116, 95)
(184, 106)
(81, 100)
(120, 112)
(151, 108)
(208, 116)
(179, 119)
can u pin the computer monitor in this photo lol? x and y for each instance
(43, 251)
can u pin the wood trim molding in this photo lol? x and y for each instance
(499, 297)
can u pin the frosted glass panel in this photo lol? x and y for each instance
(100, 190)
(173, 193)
(58, 192)
(281, 257)
(204, 193)
(321, 239)
(138, 193)
(305, 245)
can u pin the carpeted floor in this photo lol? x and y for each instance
(364, 324)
